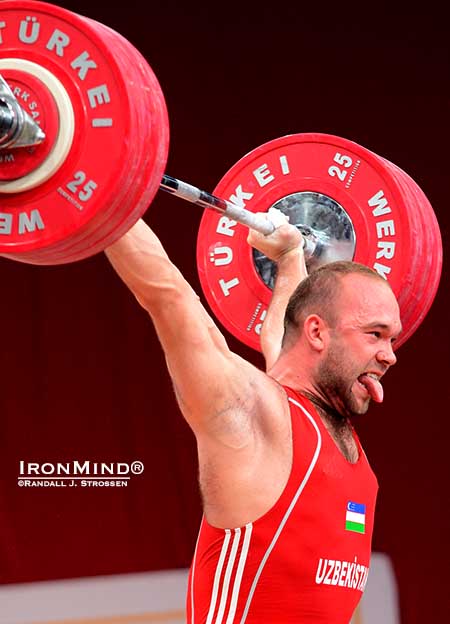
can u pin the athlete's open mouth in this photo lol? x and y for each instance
(371, 382)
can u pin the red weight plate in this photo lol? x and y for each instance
(414, 279)
(36, 100)
(95, 179)
(150, 140)
(428, 250)
(432, 266)
(358, 180)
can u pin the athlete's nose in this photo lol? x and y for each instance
(387, 355)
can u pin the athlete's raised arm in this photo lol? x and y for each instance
(285, 247)
(209, 379)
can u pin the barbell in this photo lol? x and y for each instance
(83, 146)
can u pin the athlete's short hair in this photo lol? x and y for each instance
(319, 292)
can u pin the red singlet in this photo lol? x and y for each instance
(305, 560)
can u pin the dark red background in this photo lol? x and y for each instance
(82, 375)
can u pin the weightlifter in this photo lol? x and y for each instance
(288, 493)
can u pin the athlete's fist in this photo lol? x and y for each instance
(284, 239)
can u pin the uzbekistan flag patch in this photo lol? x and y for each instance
(355, 517)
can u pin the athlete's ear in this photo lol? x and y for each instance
(316, 332)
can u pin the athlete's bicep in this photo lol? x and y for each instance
(209, 379)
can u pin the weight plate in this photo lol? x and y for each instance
(36, 100)
(428, 251)
(414, 281)
(146, 169)
(95, 175)
(56, 108)
(148, 109)
(331, 169)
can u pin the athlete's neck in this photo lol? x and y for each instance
(326, 412)
(338, 426)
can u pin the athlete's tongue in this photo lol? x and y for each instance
(373, 387)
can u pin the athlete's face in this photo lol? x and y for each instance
(360, 348)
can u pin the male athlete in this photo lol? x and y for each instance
(288, 493)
